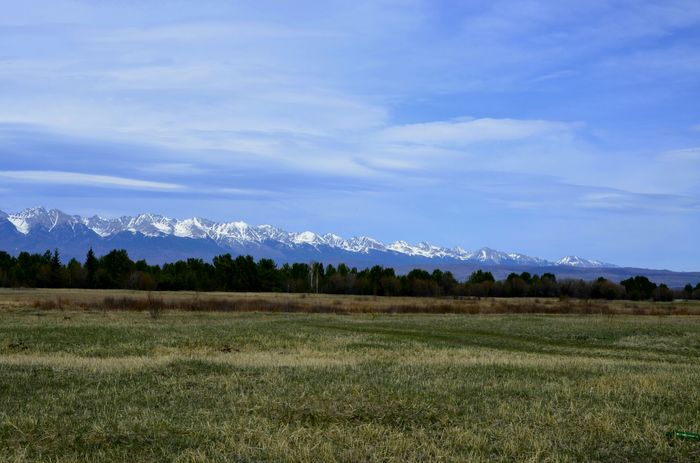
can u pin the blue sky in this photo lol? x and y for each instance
(548, 128)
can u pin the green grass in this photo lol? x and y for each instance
(196, 386)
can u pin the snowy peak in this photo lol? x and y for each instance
(576, 261)
(422, 249)
(492, 256)
(242, 236)
(307, 237)
(106, 227)
(35, 217)
(151, 225)
(192, 228)
(335, 241)
(365, 244)
(268, 232)
(489, 255)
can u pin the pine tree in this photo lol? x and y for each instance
(91, 268)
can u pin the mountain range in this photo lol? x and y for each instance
(48, 228)
(160, 239)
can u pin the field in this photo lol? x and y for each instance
(82, 384)
(67, 299)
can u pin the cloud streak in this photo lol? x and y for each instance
(444, 121)
(80, 179)
(468, 131)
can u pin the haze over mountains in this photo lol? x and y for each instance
(160, 239)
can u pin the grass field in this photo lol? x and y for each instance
(51, 299)
(84, 385)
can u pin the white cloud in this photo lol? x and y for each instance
(630, 201)
(246, 192)
(466, 131)
(76, 178)
(174, 168)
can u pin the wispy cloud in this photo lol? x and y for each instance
(554, 75)
(247, 192)
(329, 114)
(630, 202)
(466, 131)
(174, 168)
(81, 179)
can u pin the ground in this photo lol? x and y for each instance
(101, 385)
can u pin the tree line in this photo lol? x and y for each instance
(116, 270)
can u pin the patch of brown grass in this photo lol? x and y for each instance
(156, 303)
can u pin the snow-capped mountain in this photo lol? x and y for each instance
(576, 261)
(162, 238)
(29, 219)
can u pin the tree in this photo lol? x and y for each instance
(517, 285)
(639, 288)
(663, 293)
(447, 284)
(56, 277)
(544, 286)
(223, 268)
(481, 277)
(270, 277)
(418, 282)
(91, 266)
(606, 289)
(114, 269)
(76, 274)
(688, 291)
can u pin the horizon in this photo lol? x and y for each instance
(547, 130)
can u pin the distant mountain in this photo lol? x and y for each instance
(580, 262)
(162, 239)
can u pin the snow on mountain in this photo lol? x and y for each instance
(240, 235)
(576, 261)
(402, 247)
(335, 241)
(38, 216)
(364, 244)
(422, 249)
(195, 228)
(151, 225)
(106, 227)
(268, 232)
(488, 255)
(307, 237)
(233, 233)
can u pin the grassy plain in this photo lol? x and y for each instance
(187, 386)
(82, 299)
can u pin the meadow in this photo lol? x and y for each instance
(82, 381)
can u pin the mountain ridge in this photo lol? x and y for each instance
(241, 237)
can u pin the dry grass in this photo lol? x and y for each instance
(156, 303)
(120, 385)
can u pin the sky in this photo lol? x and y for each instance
(541, 127)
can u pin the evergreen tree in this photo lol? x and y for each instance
(91, 266)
